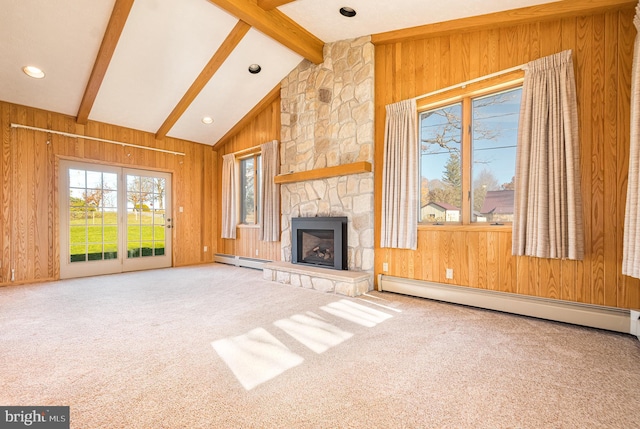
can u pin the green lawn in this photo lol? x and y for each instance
(89, 236)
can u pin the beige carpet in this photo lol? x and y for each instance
(217, 347)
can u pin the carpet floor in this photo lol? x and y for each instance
(216, 346)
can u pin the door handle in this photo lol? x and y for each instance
(169, 225)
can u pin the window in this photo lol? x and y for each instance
(468, 158)
(250, 169)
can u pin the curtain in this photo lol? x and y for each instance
(270, 191)
(548, 207)
(631, 244)
(229, 196)
(400, 177)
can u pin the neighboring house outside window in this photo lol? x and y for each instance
(468, 157)
(250, 168)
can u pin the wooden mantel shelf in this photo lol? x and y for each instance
(323, 173)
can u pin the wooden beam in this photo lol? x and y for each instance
(276, 25)
(558, 9)
(266, 100)
(272, 4)
(110, 40)
(223, 52)
(323, 173)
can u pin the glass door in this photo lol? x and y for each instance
(148, 221)
(113, 219)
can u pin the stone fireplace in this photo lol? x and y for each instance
(327, 121)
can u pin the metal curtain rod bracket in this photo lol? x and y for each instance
(62, 133)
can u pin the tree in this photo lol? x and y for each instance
(509, 186)
(424, 192)
(139, 189)
(485, 181)
(452, 176)
(92, 199)
(159, 190)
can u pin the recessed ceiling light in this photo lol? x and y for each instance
(207, 120)
(348, 12)
(33, 71)
(255, 68)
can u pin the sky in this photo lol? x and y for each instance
(497, 115)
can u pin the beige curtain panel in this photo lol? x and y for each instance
(631, 244)
(548, 207)
(270, 191)
(400, 177)
(229, 196)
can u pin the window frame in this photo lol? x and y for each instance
(257, 191)
(464, 94)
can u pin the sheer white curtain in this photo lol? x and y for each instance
(270, 191)
(548, 207)
(229, 196)
(400, 177)
(631, 245)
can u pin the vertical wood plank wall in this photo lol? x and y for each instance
(263, 128)
(29, 218)
(602, 45)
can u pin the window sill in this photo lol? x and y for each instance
(246, 225)
(471, 228)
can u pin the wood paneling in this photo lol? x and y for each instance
(262, 128)
(602, 44)
(29, 223)
(506, 18)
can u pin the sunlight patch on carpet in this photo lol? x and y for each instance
(360, 314)
(256, 357)
(316, 334)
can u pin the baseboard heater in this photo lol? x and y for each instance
(595, 316)
(240, 261)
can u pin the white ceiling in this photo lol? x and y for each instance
(164, 46)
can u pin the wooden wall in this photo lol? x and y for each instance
(264, 127)
(29, 218)
(602, 44)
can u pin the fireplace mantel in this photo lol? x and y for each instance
(323, 173)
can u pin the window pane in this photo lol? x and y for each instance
(441, 164)
(247, 189)
(494, 140)
(77, 178)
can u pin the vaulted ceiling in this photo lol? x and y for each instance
(163, 65)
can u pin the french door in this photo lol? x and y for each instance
(113, 219)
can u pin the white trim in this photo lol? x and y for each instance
(595, 316)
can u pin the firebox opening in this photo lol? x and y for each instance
(320, 241)
(318, 247)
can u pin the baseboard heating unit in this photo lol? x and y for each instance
(595, 316)
(240, 261)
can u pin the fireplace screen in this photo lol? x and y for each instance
(320, 241)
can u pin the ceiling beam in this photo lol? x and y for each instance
(110, 39)
(276, 25)
(229, 44)
(556, 9)
(272, 4)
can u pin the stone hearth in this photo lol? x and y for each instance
(350, 283)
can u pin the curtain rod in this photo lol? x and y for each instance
(469, 82)
(250, 149)
(62, 133)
